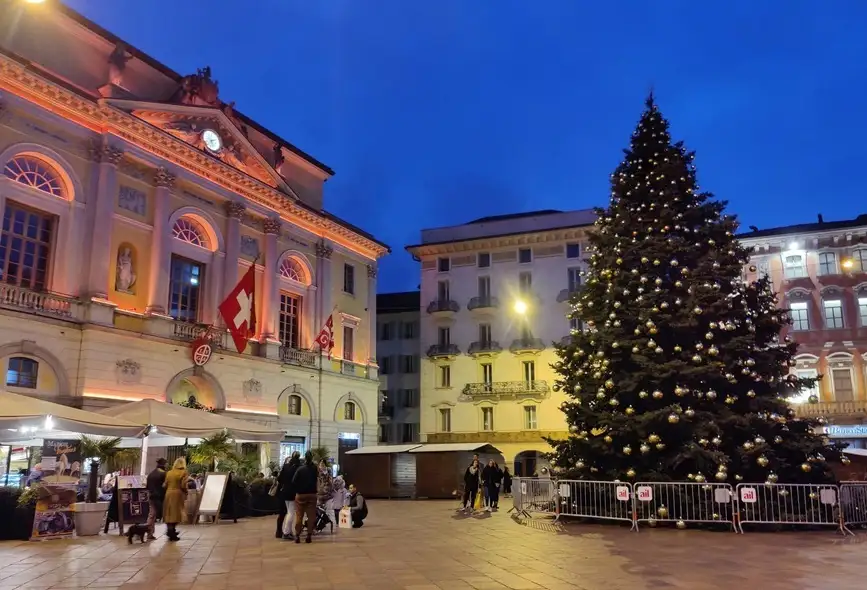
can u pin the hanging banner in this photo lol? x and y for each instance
(55, 508)
(61, 461)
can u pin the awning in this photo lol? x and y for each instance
(29, 414)
(457, 448)
(383, 449)
(184, 422)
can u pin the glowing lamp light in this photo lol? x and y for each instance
(847, 264)
(34, 1)
(793, 246)
(520, 307)
(49, 423)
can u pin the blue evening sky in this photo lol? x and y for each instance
(436, 112)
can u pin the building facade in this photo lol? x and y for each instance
(494, 298)
(819, 272)
(398, 345)
(133, 200)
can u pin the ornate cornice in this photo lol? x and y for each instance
(323, 250)
(272, 226)
(500, 242)
(235, 209)
(102, 117)
(104, 153)
(164, 178)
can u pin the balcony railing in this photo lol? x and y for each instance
(188, 332)
(486, 302)
(484, 347)
(848, 408)
(503, 390)
(444, 306)
(527, 345)
(298, 356)
(443, 350)
(36, 301)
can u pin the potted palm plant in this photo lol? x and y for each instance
(213, 449)
(90, 515)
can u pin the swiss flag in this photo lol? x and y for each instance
(325, 339)
(239, 309)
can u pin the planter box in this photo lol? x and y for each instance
(89, 518)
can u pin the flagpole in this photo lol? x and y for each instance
(322, 360)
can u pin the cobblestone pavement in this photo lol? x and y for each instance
(426, 546)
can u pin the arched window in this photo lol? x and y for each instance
(22, 372)
(294, 405)
(291, 269)
(188, 230)
(34, 173)
(349, 411)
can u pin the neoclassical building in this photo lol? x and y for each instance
(133, 199)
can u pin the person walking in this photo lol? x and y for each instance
(176, 494)
(286, 497)
(507, 482)
(357, 507)
(472, 477)
(339, 497)
(304, 484)
(491, 477)
(154, 484)
(325, 491)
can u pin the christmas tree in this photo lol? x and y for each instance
(679, 373)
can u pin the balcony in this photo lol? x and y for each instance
(440, 351)
(849, 409)
(189, 332)
(298, 356)
(504, 390)
(38, 302)
(520, 345)
(483, 305)
(566, 295)
(444, 308)
(484, 348)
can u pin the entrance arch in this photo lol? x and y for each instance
(527, 463)
(199, 385)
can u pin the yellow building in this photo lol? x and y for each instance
(133, 199)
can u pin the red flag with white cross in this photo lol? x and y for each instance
(239, 310)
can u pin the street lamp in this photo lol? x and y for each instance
(847, 264)
(520, 307)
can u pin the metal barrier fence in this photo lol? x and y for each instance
(690, 502)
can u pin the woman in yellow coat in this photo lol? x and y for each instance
(176, 495)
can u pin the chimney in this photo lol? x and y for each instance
(820, 218)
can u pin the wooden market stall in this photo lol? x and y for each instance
(385, 471)
(440, 467)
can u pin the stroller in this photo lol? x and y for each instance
(322, 520)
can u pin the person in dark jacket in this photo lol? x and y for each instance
(286, 497)
(472, 477)
(357, 507)
(304, 484)
(154, 484)
(507, 481)
(491, 477)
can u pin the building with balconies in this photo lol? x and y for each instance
(494, 298)
(398, 349)
(133, 200)
(819, 271)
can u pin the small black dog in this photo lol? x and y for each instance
(137, 530)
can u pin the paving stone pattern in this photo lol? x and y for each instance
(426, 546)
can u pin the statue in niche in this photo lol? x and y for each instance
(125, 272)
(117, 64)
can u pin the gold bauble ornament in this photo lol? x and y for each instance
(689, 412)
(762, 461)
(721, 476)
(657, 394)
(579, 464)
(613, 402)
(644, 448)
(673, 418)
(608, 438)
(642, 394)
(627, 450)
(681, 524)
(651, 522)
(662, 512)
(609, 384)
(653, 438)
(660, 446)
(806, 467)
(630, 472)
(845, 460)
(629, 411)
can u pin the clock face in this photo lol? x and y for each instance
(212, 140)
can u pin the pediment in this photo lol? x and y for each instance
(189, 123)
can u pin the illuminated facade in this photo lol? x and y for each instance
(133, 199)
(494, 297)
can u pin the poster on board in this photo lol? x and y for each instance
(55, 508)
(61, 460)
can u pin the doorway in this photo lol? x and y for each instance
(525, 463)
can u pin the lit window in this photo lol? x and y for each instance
(25, 247)
(349, 411)
(445, 420)
(185, 285)
(289, 320)
(841, 380)
(529, 417)
(445, 376)
(443, 264)
(487, 419)
(294, 404)
(573, 250)
(862, 310)
(525, 255)
(34, 173)
(22, 372)
(348, 341)
(187, 230)
(859, 258)
(827, 263)
(800, 316)
(291, 269)
(833, 313)
(487, 375)
(804, 395)
(529, 372)
(794, 266)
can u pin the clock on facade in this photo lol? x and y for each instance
(212, 140)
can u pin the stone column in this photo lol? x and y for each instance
(235, 212)
(102, 219)
(161, 252)
(270, 293)
(371, 314)
(323, 284)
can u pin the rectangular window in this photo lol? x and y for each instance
(409, 330)
(443, 293)
(349, 279)
(443, 264)
(409, 398)
(289, 322)
(384, 365)
(574, 278)
(805, 394)
(22, 372)
(487, 373)
(408, 364)
(800, 315)
(525, 255)
(444, 336)
(385, 331)
(833, 313)
(383, 433)
(525, 282)
(445, 420)
(859, 258)
(827, 263)
(529, 417)
(185, 288)
(842, 382)
(488, 419)
(573, 251)
(407, 432)
(25, 247)
(348, 338)
(484, 260)
(529, 371)
(445, 376)
(484, 334)
(794, 266)
(575, 324)
(862, 310)
(484, 287)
